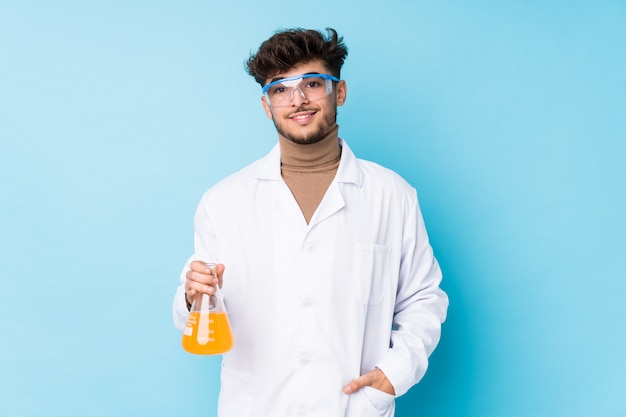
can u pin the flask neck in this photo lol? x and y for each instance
(208, 303)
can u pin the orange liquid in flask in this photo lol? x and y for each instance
(207, 333)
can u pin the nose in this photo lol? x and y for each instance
(297, 99)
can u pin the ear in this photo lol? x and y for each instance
(268, 110)
(342, 92)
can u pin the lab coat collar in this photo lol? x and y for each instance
(348, 171)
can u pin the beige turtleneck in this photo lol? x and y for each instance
(308, 170)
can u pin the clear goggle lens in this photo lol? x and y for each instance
(310, 87)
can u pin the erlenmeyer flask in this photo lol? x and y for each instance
(208, 330)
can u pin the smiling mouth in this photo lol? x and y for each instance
(302, 116)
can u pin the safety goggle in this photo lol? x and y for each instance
(310, 86)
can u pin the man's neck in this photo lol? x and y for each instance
(308, 170)
(310, 155)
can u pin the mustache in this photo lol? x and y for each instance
(300, 110)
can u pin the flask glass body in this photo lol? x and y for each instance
(208, 330)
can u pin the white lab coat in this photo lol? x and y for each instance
(314, 306)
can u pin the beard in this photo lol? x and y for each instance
(324, 126)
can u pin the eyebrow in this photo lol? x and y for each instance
(282, 78)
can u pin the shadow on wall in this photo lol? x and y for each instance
(449, 386)
(449, 372)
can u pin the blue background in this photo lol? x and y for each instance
(508, 117)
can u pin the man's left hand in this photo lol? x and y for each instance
(375, 379)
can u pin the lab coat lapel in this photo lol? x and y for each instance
(333, 201)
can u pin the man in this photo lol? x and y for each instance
(328, 276)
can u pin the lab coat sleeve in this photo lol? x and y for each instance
(179, 308)
(204, 238)
(420, 307)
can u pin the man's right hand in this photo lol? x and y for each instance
(202, 279)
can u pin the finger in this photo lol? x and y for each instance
(208, 269)
(356, 384)
(215, 274)
(200, 277)
(199, 282)
(194, 288)
(200, 266)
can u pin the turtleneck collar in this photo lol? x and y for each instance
(314, 155)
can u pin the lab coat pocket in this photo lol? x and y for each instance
(370, 272)
(370, 402)
(235, 394)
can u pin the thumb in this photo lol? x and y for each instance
(219, 270)
(219, 273)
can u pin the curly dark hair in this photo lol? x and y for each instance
(291, 47)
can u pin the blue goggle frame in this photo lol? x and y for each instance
(299, 77)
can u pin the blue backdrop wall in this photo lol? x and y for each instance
(508, 117)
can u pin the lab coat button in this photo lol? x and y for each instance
(310, 248)
(304, 361)
(307, 302)
(301, 413)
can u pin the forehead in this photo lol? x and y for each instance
(305, 68)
